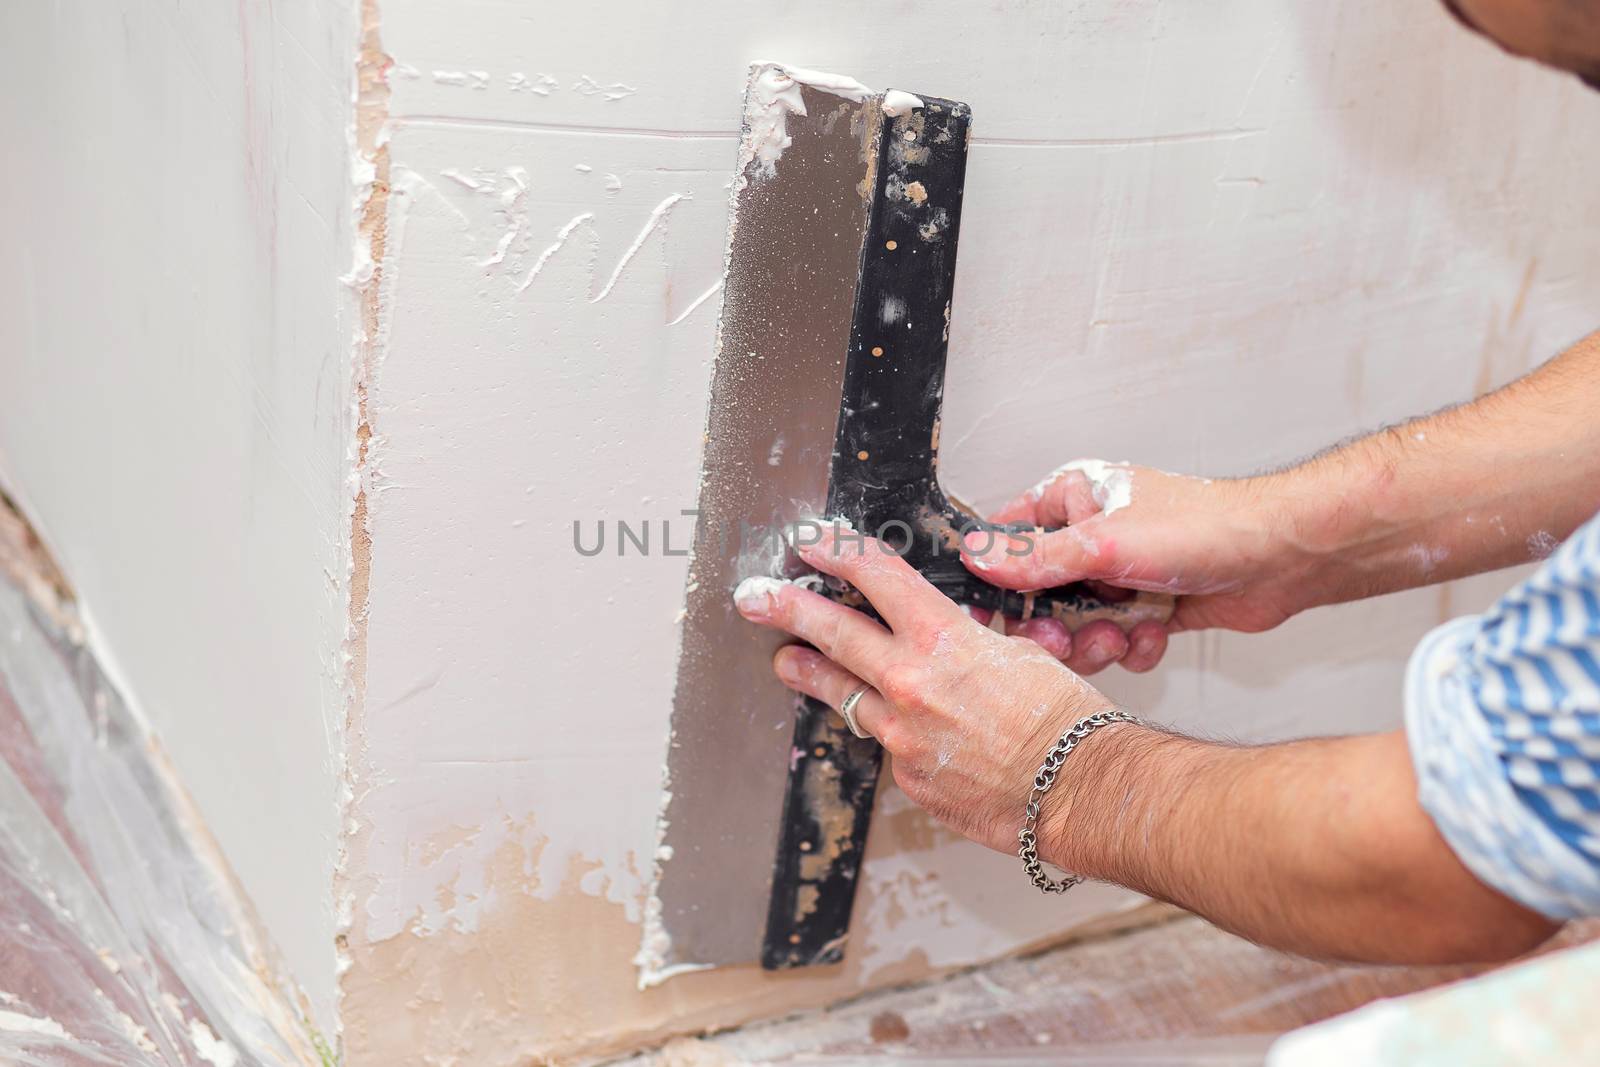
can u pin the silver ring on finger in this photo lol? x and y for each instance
(847, 710)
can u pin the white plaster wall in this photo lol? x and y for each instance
(1209, 237)
(174, 367)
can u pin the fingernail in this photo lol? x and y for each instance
(987, 549)
(984, 548)
(827, 538)
(804, 536)
(786, 667)
(756, 597)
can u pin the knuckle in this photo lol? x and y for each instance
(783, 608)
(843, 561)
(829, 634)
(903, 684)
(848, 551)
(904, 739)
(876, 563)
(843, 644)
(1034, 556)
(891, 734)
(1076, 547)
(1097, 553)
(1054, 550)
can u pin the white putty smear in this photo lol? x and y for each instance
(836, 524)
(654, 941)
(210, 1047)
(752, 591)
(651, 959)
(775, 95)
(1110, 483)
(837, 84)
(897, 102)
(1541, 543)
(17, 1023)
(1426, 558)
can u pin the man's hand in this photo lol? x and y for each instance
(1225, 548)
(966, 713)
(1317, 847)
(1499, 481)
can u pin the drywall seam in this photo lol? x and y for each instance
(370, 159)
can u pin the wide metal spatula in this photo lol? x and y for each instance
(825, 401)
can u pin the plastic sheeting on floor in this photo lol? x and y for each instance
(123, 941)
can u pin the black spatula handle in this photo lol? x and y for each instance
(884, 480)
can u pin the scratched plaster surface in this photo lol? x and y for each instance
(1207, 238)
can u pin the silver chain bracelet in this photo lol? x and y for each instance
(1027, 836)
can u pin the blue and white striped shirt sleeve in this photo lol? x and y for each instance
(1503, 721)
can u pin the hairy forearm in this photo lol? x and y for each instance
(1495, 482)
(1315, 847)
